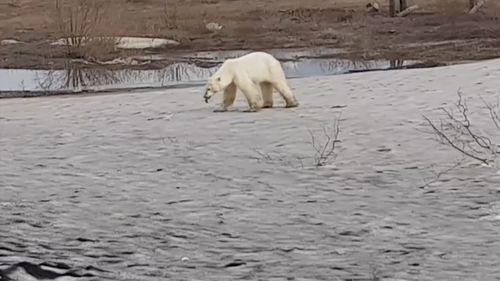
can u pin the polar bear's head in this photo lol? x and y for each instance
(218, 82)
(213, 87)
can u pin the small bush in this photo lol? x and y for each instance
(81, 25)
(169, 15)
(325, 150)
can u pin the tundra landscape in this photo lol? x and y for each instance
(113, 167)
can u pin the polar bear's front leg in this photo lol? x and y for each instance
(229, 97)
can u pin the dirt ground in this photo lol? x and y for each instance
(440, 31)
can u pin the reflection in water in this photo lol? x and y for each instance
(397, 63)
(77, 78)
(84, 79)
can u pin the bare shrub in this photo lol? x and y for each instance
(81, 24)
(325, 148)
(278, 158)
(169, 14)
(457, 131)
(262, 155)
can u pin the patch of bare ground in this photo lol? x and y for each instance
(440, 31)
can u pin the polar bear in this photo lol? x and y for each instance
(256, 74)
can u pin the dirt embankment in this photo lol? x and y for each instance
(440, 31)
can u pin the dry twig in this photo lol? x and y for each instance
(438, 175)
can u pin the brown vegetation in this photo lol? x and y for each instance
(424, 34)
(82, 26)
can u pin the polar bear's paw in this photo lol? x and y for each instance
(220, 110)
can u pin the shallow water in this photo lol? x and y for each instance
(296, 64)
(158, 187)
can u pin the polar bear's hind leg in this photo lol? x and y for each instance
(286, 93)
(280, 84)
(267, 94)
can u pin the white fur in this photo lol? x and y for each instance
(256, 75)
